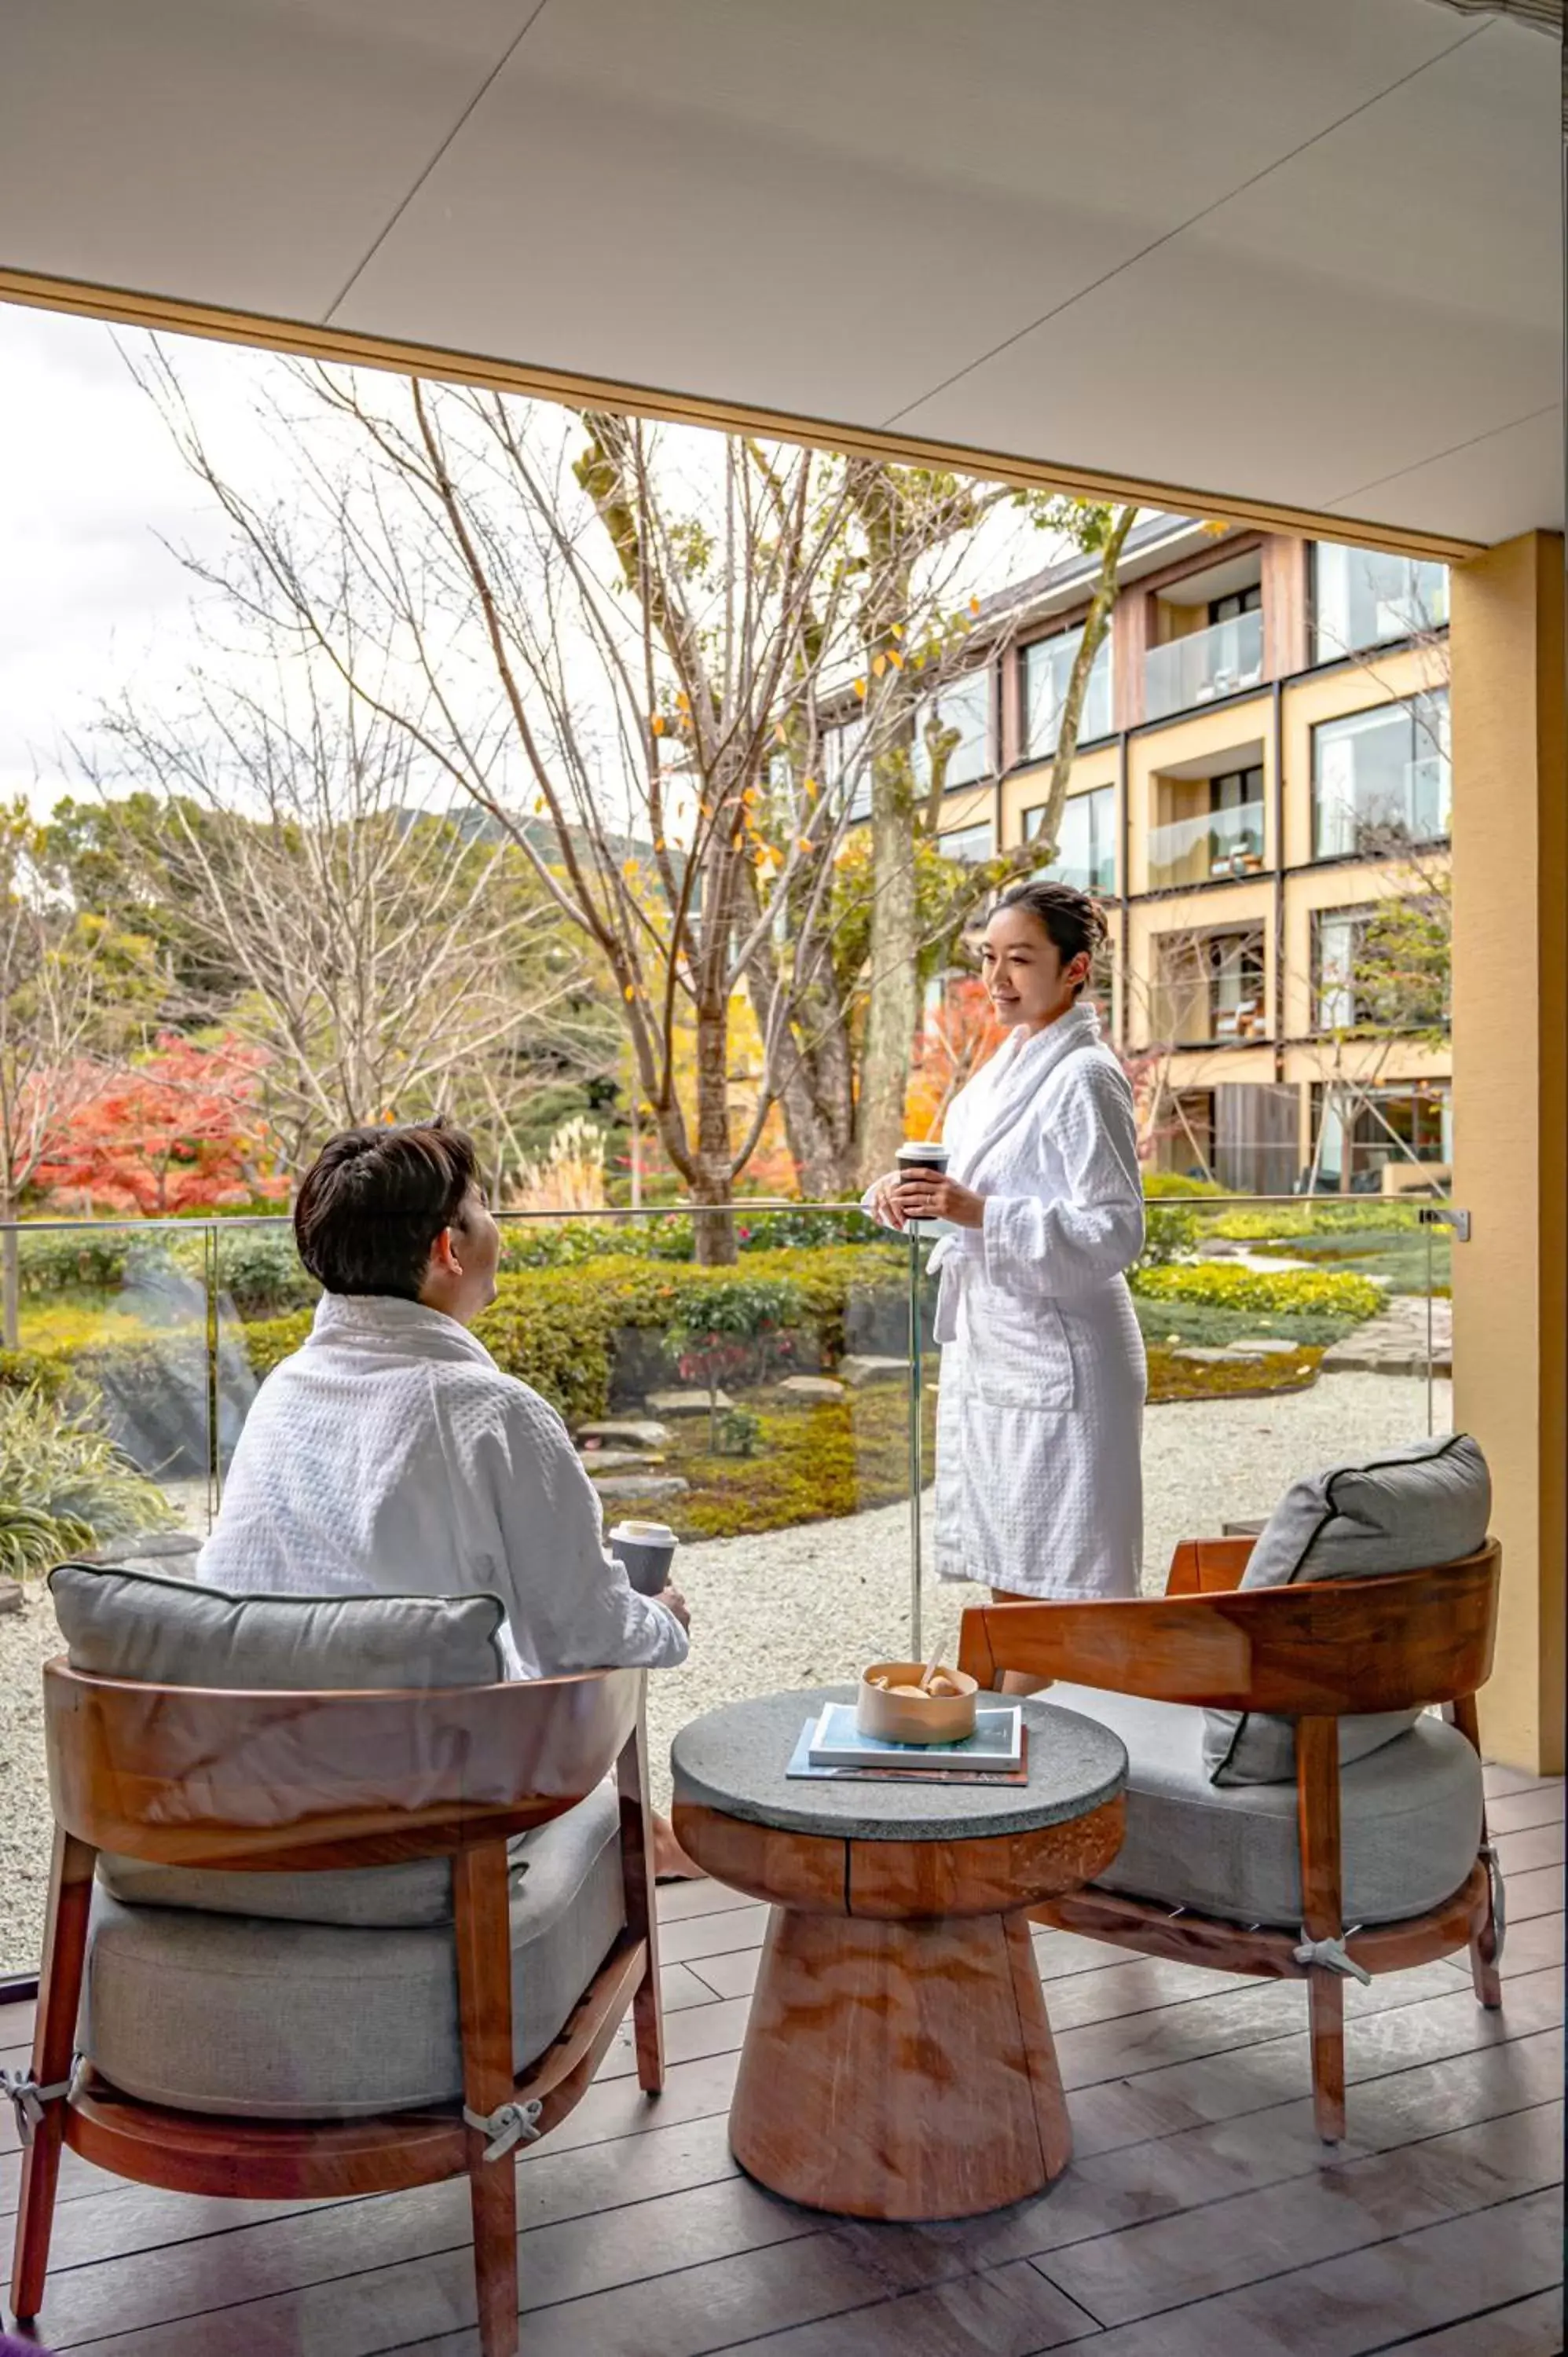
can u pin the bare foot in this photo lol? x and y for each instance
(670, 1863)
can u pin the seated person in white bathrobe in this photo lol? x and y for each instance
(392, 1455)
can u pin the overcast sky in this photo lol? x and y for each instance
(91, 490)
(89, 595)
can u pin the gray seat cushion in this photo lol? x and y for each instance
(135, 1624)
(1410, 1821)
(1403, 1509)
(246, 2016)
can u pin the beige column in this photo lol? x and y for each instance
(1510, 1108)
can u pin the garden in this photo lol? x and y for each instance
(767, 1395)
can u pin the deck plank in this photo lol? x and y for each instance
(1201, 2213)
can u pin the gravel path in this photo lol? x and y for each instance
(815, 1603)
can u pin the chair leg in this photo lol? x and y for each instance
(642, 1907)
(484, 2006)
(54, 2040)
(1326, 2013)
(1485, 1947)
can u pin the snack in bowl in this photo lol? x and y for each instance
(894, 1705)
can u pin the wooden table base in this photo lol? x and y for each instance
(899, 2070)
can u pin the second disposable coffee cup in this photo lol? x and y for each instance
(645, 1551)
(923, 1154)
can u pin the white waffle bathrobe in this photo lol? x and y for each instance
(391, 1456)
(1039, 1424)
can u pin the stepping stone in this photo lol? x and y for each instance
(1267, 1348)
(1203, 1354)
(858, 1371)
(811, 1387)
(685, 1403)
(626, 1432)
(617, 1461)
(643, 1485)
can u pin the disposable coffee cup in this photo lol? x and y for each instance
(645, 1551)
(924, 1154)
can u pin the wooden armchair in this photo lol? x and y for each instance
(311, 1783)
(1315, 1653)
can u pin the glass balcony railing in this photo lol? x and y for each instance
(779, 1414)
(1224, 660)
(1213, 844)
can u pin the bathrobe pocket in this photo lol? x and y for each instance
(1018, 1350)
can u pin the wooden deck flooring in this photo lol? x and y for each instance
(1199, 2218)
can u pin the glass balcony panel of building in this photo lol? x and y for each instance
(1226, 658)
(1047, 674)
(1381, 780)
(1370, 597)
(1086, 840)
(1207, 846)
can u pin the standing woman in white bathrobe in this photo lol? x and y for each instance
(1039, 1424)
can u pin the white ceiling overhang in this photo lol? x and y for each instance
(1302, 256)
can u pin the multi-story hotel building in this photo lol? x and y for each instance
(1263, 758)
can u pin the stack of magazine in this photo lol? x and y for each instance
(996, 1753)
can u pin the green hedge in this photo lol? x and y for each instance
(1220, 1284)
(570, 1332)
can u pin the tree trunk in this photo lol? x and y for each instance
(713, 1231)
(894, 1009)
(1096, 624)
(10, 1284)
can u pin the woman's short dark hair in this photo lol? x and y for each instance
(374, 1201)
(1074, 922)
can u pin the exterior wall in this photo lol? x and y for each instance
(1510, 1035)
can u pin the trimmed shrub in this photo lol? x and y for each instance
(1220, 1284)
(34, 1370)
(1311, 1219)
(263, 1274)
(1161, 1183)
(610, 1327)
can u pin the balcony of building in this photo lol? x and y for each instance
(1210, 989)
(1206, 633)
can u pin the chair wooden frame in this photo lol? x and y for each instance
(1316, 1652)
(302, 1782)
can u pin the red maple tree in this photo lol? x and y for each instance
(180, 1131)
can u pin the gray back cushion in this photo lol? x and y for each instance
(137, 1625)
(1403, 1509)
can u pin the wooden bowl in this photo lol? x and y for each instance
(901, 1718)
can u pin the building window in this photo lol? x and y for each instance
(964, 710)
(1362, 1132)
(1365, 597)
(1048, 669)
(1240, 601)
(1209, 988)
(968, 843)
(1381, 780)
(1086, 847)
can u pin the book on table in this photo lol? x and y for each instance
(996, 1747)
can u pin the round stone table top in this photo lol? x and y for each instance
(733, 1760)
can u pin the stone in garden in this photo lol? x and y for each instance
(617, 1461)
(626, 1432)
(859, 1369)
(10, 1595)
(812, 1387)
(1267, 1349)
(643, 1485)
(686, 1403)
(1203, 1354)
